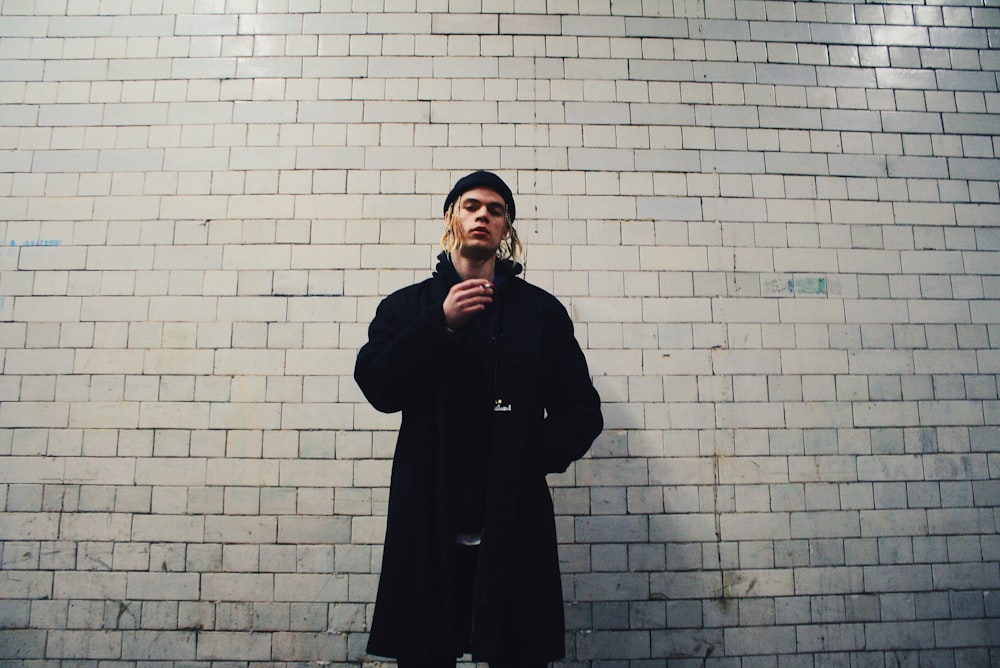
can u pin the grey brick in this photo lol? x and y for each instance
(612, 529)
(195, 616)
(899, 635)
(847, 77)
(611, 586)
(964, 81)
(967, 604)
(826, 552)
(862, 608)
(828, 580)
(593, 25)
(84, 645)
(677, 585)
(15, 614)
(22, 644)
(758, 582)
(726, 72)
(965, 576)
(898, 607)
(609, 558)
(830, 637)
(760, 640)
(308, 647)
(311, 587)
(162, 586)
(529, 24)
(894, 522)
(219, 646)
(804, 164)
(796, 75)
(686, 642)
(931, 605)
(958, 521)
(898, 578)
(344, 617)
(970, 123)
(237, 587)
(817, 524)
(656, 27)
(647, 615)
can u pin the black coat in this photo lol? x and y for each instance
(554, 416)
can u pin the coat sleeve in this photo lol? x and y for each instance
(398, 359)
(572, 406)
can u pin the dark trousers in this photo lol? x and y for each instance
(463, 584)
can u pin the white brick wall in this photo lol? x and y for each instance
(775, 225)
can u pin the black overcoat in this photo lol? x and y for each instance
(548, 416)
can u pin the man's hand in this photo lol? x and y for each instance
(466, 299)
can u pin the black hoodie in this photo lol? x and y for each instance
(473, 362)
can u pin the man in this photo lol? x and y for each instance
(495, 394)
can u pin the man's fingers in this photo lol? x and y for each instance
(474, 286)
(472, 304)
(474, 291)
(466, 298)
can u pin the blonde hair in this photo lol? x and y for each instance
(451, 241)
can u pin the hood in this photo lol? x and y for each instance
(504, 269)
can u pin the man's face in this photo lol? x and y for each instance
(482, 223)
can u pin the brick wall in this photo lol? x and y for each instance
(776, 225)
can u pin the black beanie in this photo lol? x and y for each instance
(482, 179)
